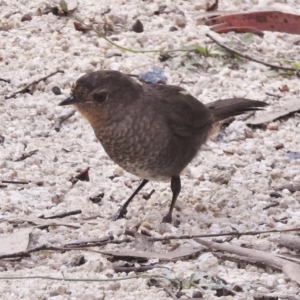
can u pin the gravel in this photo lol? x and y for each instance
(225, 188)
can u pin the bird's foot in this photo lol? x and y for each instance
(119, 215)
(167, 218)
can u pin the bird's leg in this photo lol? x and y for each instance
(123, 210)
(175, 187)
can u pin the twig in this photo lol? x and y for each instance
(61, 119)
(249, 57)
(101, 35)
(288, 241)
(238, 234)
(23, 90)
(89, 242)
(145, 276)
(244, 260)
(15, 182)
(62, 215)
(273, 95)
(120, 269)
(5, 80)
(106, 240)
(99, 243)
(26, 155)
(36, 249)
(169, 292)
(274, 204)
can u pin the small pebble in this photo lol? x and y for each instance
(26, 17)
(138, 27)
(154, 75)
(114, 286)
(180, 21)
(56, 90)
(208, 263)
(273, 126)
(293, 155)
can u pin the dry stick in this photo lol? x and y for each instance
(62, 215)
(68, 248)
(27, 252)
(89, 242)
(23, 90)
(15, 182)
(290, 269)
(238, 234)
(61, 119)
(26, 155)
(5, 80)
(273, 95)
(134, 269)
(288, 240)
(274, 204)
(100, 243)
(251, 58)
(169, 292)
(145, 276)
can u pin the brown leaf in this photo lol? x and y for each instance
(79, 27)
(260, 20)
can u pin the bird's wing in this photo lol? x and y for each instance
(184, 114)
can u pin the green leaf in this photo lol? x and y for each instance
(296, 64)
(63, 6)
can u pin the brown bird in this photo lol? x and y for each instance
(152, 131)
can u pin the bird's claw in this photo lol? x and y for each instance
(121, 214)
(167, 218)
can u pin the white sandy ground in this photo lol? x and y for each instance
(247, 159)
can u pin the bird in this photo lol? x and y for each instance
(152, 131)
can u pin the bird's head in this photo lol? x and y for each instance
(100, 95)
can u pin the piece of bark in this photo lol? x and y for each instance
(290, 106)
(288, 240)
(290, 269)
(14, 242)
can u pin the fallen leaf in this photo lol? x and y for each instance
(258, 20)
(79, 27)
(292, 271)
(289, 107)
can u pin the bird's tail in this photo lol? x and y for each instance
(223, 109)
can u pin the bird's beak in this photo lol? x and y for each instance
(70, 100)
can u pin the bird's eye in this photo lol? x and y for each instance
(100, 97)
